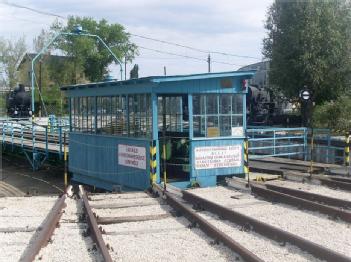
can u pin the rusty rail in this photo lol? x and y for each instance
(266, 230)
(336, 202)
(45, 231)
(93, 226)
(334, 183)
(341, 179)
(300, 203)
(207, 227)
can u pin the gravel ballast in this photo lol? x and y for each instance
(311, 188)
(309, 225)
(21, 213)
(168, 239)
(68, 242)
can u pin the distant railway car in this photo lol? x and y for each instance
(18, 102)
(182, 130)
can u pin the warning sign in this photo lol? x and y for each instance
(132, 156)
(208, 157)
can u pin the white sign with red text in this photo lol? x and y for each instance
(208, 157)
(132, 156)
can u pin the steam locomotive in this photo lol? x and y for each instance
(18, 102)
(264, 109)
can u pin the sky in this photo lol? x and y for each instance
(230, 26)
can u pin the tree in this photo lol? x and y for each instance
(134, 73)
(309, 44)
(88, 52)
(11, 53)
(334, 114)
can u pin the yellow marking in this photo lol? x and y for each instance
(153, 150)
(153, 163)
(164, 168)
(65, 179)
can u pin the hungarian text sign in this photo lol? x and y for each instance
(132, 156)
(208, 157)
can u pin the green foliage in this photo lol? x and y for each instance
(2, 106)
(90, 54)
(11, 53)
(309, 43)
(334, 115)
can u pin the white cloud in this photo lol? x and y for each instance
(233, 26)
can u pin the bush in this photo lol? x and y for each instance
(334, 115)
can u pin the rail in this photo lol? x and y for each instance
(94, 228)
(47, 229)
(206, 226)
(274, 233)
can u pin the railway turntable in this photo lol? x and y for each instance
(183, 130)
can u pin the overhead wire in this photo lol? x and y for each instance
(194, 48)
(152, 39)
(187, 56)
(5, 2)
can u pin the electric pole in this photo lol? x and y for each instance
(125, 67)
(40, 85)
(209, 63)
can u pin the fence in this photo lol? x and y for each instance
(36, 140)
(296, 143)
(283, 142)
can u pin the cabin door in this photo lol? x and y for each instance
(173, 133)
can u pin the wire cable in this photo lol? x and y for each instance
(187, 56)
(194, 48)
(5, 2)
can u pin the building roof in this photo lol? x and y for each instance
(160, 79)
(30, 56)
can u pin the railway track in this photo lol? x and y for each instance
(7, 190)
(216, 224)
(157, 229)
(32, 233)
(309, 232)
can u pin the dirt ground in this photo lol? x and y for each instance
(17, 174)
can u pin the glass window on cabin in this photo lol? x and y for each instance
(91, 114)
(113, 115)
(140, 116)
(83, 114)
(105, 111)
(72, 123)
(173, 113)
(216, 115)
(120, 116)
(76, 120)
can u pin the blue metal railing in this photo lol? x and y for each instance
(295, 143)
(266, 142)
(37, 141)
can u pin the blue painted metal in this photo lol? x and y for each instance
(95, 157)
(293, 143)
(267, 142)
(37, 152)
(98, 168)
